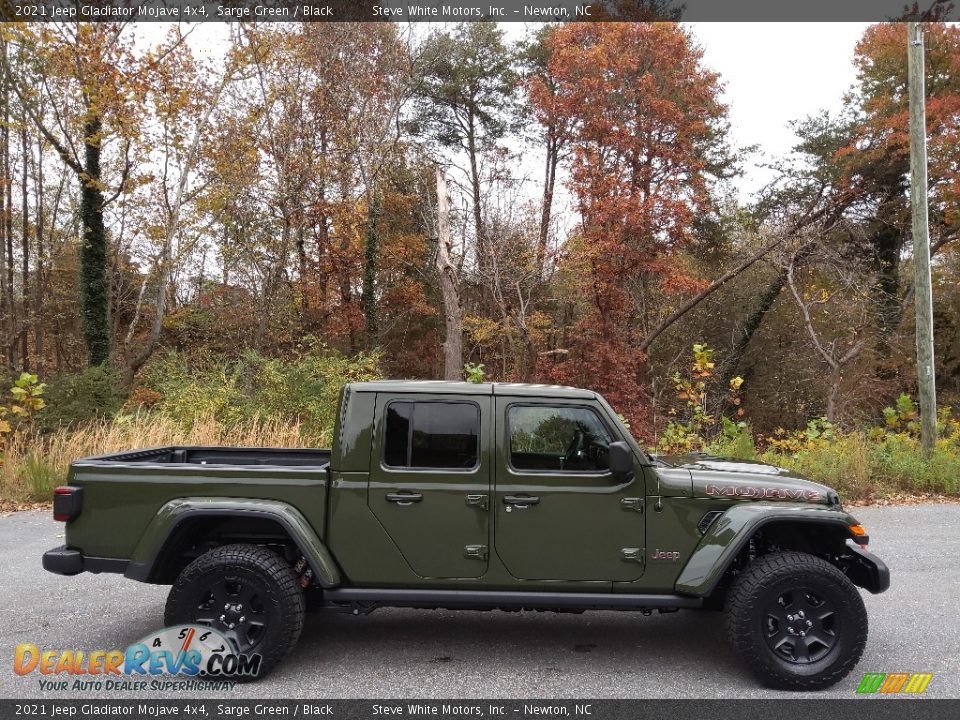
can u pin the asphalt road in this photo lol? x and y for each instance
(914, 627)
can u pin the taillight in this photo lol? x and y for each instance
(66, 502)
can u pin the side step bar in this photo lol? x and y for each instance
(453, 599)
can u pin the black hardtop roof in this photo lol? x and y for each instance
(466, 388)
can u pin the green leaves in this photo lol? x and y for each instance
(475, 372)
(302, 388)
(26, 398)
(691, 390)
(903, 415)
(27, 391)
(468, 81)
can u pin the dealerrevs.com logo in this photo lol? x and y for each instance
(181, 657)
(894, 683)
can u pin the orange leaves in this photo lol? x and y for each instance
(642, 117)
(409, 298)
(646, 131)
(879, 146)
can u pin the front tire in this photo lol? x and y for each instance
(247, 593)
(797, 621)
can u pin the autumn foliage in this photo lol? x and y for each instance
(647, 136)
(169, 204)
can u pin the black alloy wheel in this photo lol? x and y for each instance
(801, 626)
(797, 621)
(235, 608)
(247, 593)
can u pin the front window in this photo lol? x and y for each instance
(563, 438)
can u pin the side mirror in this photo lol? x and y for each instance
(620, 458)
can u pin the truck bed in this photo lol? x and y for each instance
(196, 455)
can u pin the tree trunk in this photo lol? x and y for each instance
(546, 210)
(7, 219)
(346, 287)
(302, 270)
(475, 190)
(887, 241)
(370, 256)
(528, 363)
(449, 287)
(731, 363)
(5, 289)
(834, 393)
(38, 284)
(93, 251)
(25, 250)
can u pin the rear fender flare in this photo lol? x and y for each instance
(731, 532)
(154, 539)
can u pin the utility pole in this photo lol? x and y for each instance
(921, 238)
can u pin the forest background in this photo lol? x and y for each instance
(202, 248)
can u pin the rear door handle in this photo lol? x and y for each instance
(404, 498)
(521, 500)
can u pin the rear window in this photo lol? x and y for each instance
(432, 435)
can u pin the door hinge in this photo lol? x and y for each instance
(479, 501)
(632, 504)
(477, 552)
(632, 555)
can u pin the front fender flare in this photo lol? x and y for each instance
(151, 545)
(730, 533)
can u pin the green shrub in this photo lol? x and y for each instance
(840, 462)
(735, 441)
(475, 372)
(861, 465)
(898, 461)
(73, 398)
(304, 387)
(41, 476)
(692, 428)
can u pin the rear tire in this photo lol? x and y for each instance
(797, 621)
(246, 586)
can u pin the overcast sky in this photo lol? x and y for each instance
(773, 73)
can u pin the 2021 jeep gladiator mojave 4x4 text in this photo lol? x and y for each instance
(478, 496)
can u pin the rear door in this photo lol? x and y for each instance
(559, 513)
(430, 481)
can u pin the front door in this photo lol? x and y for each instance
(430, 481)
(560, 514)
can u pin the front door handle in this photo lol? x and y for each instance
(521, 500)
(404, 498)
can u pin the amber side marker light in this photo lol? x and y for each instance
(859, 533)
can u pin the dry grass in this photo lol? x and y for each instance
(33, 464)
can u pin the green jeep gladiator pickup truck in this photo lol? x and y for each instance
(478, 496)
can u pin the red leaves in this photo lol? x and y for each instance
(881, 135)
(644, 123)
(642, 117)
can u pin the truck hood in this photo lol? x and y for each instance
(717, 477)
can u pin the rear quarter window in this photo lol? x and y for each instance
(432, 434)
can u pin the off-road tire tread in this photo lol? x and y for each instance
(743, 606)
(281, 581)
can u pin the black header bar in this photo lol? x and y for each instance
(530, 11)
